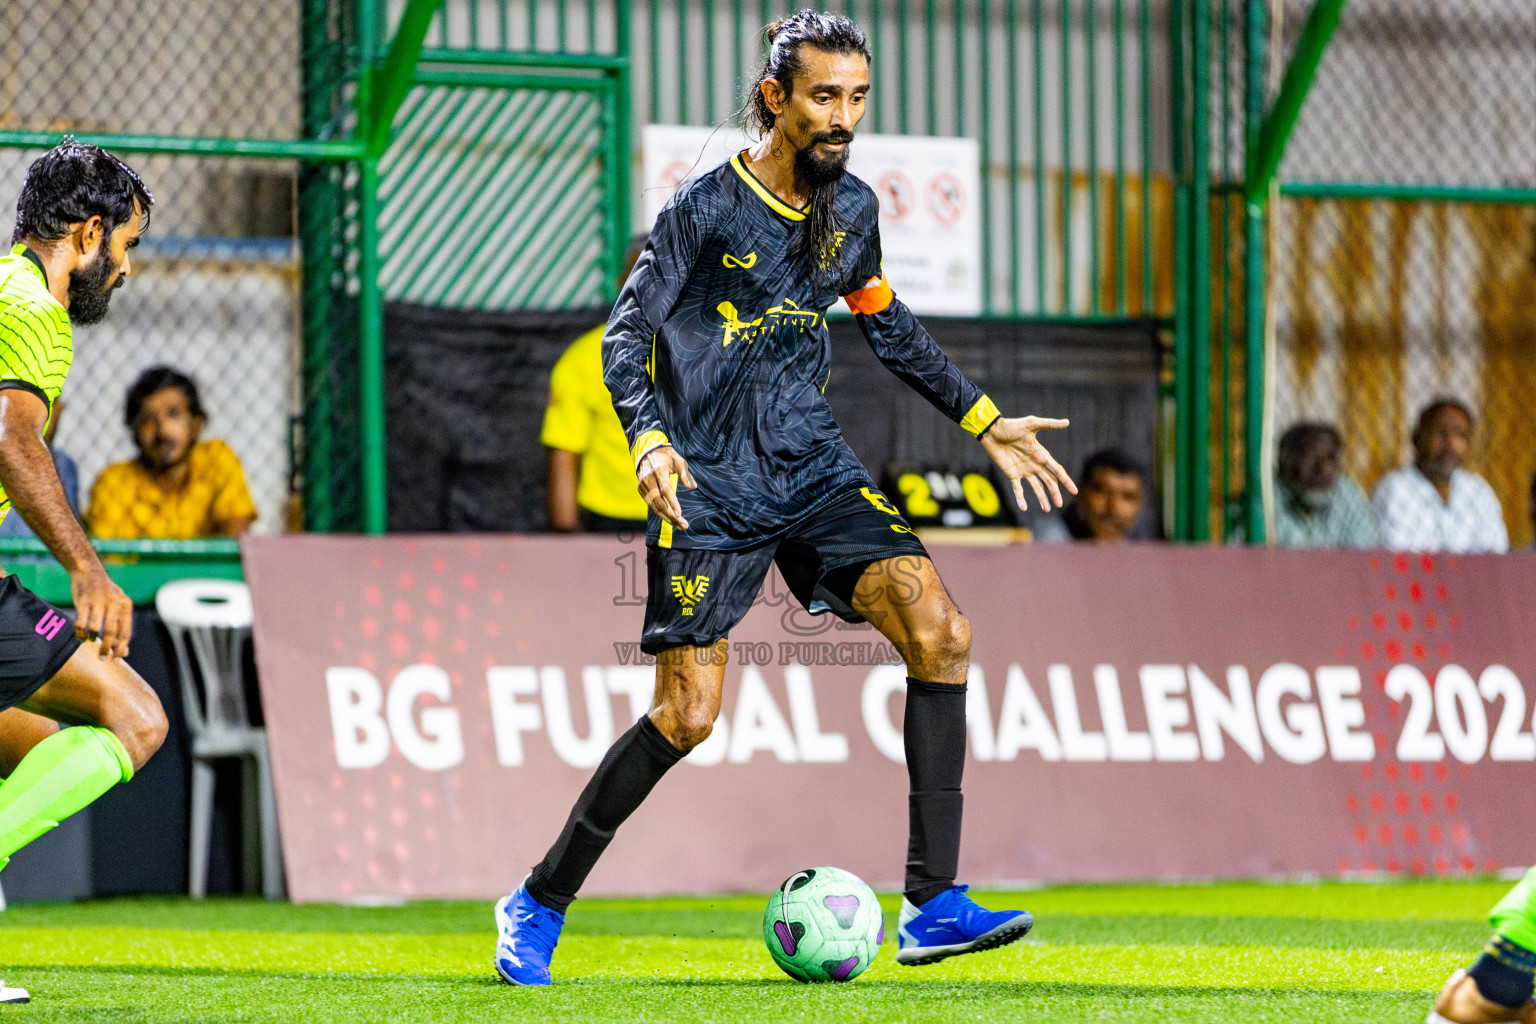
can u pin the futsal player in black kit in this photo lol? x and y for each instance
(717, 356)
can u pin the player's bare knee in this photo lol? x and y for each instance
(942, 649)
(135, 716)
(687, 727)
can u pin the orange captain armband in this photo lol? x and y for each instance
(872, 298)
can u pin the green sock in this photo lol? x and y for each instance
(1514, 916)
(58, 777)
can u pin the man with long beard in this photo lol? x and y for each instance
(80, 211)
(717, 355)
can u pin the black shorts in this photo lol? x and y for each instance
(696, 596)
(36, 639)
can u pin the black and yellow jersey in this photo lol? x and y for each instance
(718, 345)
(36, 344)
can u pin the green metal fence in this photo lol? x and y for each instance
(1162, 158)
(1403, 235)
(1068, 100)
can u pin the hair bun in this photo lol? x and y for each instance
(774, 28)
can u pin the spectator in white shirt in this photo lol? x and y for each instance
(1435, 504)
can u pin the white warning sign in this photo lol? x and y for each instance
(930, 203)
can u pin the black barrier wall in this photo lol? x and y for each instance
(466, 397)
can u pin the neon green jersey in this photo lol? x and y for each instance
(36, 345)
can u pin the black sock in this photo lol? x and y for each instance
(935, 744)
(631, 768)
(1503, 973)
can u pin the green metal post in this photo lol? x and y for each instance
(1148, 281)
(1275, 132)
(683, 60)
(623, 142)
(1014, 227)
(960, 79)
(1255, 287)
(1120, 254)
(709, 61)
(370, 364)
(903, 119)
(1183, 398)
(1224, 276)
(395, 77)
(317, 213)
(984, 136)
(1090, 43)
(266, 149)
(1200, 273)
(1042, 221)
(653, 60)
(738, 71)
(1066, 156)
(931, 51)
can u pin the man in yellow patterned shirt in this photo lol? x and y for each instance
(80, 212)
(179, 487)
(591, 476)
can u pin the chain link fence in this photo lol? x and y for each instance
(247, 279)
(1404, 254)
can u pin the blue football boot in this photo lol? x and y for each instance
(527, 931)
(951, 924)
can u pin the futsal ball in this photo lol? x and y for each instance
(823, 924)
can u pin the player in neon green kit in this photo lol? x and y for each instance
(1497, 987)
(79, 213)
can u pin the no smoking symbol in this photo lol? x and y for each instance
(946, 198)
(896, 194)
(673, 175)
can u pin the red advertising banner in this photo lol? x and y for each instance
(434, 705)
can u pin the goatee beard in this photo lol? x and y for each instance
(816, 244)
(819, 172)
(91, 288)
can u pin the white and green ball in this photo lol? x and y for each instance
(823, 924)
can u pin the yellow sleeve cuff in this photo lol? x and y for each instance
(647, 442)
(982, 415)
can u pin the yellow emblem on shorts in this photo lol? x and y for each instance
(744, 262)
(689, 592)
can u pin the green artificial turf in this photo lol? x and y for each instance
(1222, 952)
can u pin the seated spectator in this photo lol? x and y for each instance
(1435, 504)
(591, 475)
(69, 475)
(1110, 498)
(179, 487)
(1316, 506)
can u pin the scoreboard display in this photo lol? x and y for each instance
(931, 496)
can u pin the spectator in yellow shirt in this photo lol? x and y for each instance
(591, 477)
(179, 487)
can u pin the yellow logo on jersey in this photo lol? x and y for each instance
(744, 262)
(830, 253)
(689, 592)
(786, 312)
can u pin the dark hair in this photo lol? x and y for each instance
(1112, 459)
(1440, 405)
(74, 182)
(158, 378)
(830, 33)
(785, 38)
(1299, 436)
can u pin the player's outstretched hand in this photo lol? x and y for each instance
(1020, 455)
(102, 611)
(659, 473)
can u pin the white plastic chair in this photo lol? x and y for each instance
(209, 621)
